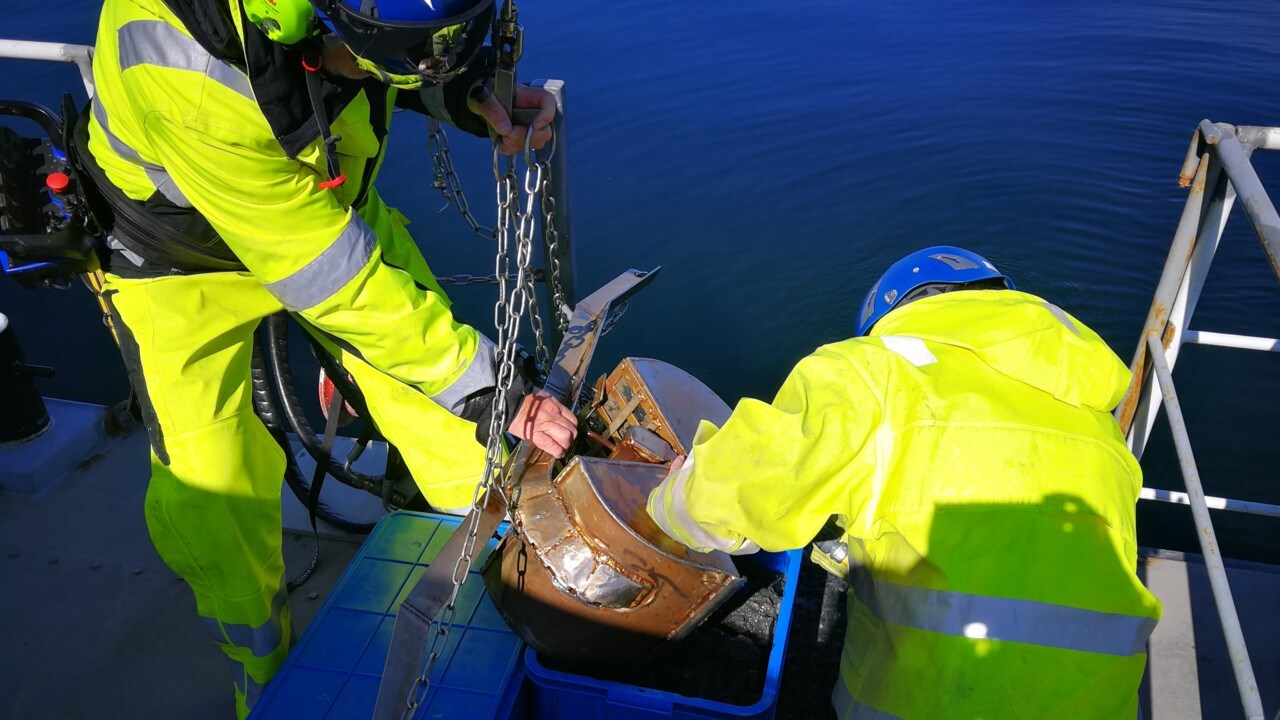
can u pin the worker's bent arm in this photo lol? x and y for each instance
(774, 474)
(323, 260)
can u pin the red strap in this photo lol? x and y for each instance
(319, 62)
(331, 184)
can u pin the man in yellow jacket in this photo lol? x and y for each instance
(963, 443)
(236, 143)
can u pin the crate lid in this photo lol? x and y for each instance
(334, 671)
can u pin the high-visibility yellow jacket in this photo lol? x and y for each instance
(987, 498)
(174, 123)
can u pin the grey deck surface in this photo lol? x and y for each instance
(1188, 669)
(122, 640)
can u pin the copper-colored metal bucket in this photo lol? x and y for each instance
(585, 574)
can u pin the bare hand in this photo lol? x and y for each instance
(543, 421)
(482, 102)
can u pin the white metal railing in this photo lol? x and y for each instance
(1218, 170)
(81, 55)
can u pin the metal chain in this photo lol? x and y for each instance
(445, 179)
(540, 352)
(462, 280)
(512, 303)
(540, 178)
(559, 304)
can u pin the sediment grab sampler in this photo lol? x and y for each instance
(585, 575)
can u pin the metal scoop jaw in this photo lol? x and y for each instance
(585, 574)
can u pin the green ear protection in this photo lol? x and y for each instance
(285, 21)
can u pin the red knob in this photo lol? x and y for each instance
(57, 181)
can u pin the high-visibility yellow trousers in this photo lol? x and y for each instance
(213, 504)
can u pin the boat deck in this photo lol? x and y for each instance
(95, 625)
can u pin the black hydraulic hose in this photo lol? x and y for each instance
(280, 370)
(264, 404)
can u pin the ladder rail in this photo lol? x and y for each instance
(1218, 170)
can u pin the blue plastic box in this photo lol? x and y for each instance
(566, 695)
(334, 671)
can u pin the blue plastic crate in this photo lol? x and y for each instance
(334, 671)
(558, 694)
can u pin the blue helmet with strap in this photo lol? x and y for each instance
(405, 42)
(931, 271)
(431, 40)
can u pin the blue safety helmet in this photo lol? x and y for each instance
(431, 40)
(931, 271)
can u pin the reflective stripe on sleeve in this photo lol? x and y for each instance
(479, 375)
(670, 511)
(155, 42)
(156, 174)
(330, 270)
(1008, 619)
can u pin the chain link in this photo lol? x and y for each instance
(538, 274)
(514, 292)
(445, 179)
(541, 173)
(559, 305)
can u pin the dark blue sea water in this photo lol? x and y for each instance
(775, 157)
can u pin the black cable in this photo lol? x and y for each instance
(264, 402)
(265, 406)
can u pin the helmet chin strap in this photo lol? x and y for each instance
(400, 82)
